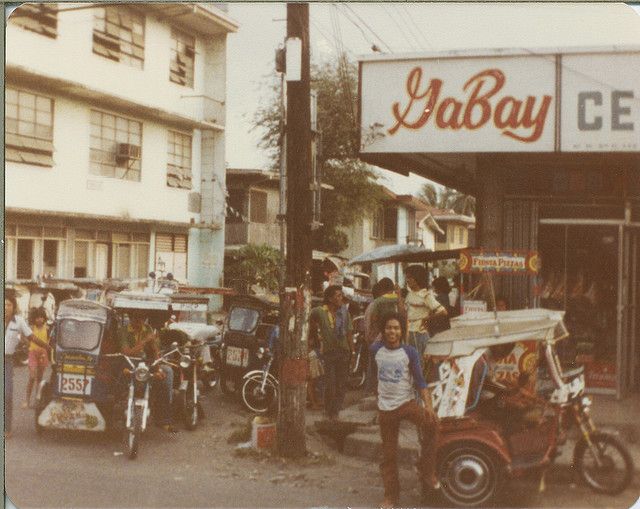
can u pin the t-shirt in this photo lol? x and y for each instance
(333, 329)
(420, 305)
(383, 305)
(41, 334)
(12, 332)
(399, 374)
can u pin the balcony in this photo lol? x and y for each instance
(238, 234)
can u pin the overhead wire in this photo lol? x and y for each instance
(347, 6)
(367, 38)
(413, 26)
(392, 16)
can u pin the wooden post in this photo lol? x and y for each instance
(296, 302)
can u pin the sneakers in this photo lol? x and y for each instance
(170, 428)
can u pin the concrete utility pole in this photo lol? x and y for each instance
(296, 303)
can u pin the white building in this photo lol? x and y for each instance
(114, 135)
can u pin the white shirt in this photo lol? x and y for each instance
(420, 305)
(16, 326)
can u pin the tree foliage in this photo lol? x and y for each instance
(355, 191)
(449, 199)
(254, 264)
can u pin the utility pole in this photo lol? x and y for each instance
(296, 300)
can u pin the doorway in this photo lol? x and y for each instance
(580, 274)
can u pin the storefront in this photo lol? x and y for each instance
(549, 143)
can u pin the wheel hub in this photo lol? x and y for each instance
(469, 475)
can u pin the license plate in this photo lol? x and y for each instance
(75, 384)
(237, 356)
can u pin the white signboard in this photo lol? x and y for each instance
(495, 104)
(502, 104)
(600, 103)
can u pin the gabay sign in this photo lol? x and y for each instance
(501, 104)
(509, 262)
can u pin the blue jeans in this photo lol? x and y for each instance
(8, 392)
(336, 373)
(163, 397)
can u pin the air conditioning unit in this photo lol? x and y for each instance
(127, 151)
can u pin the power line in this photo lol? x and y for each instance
(413, 26)
(390, 13)
(347, 6)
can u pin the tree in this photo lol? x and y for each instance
(449, 198)
(355, 192)
(254, 264)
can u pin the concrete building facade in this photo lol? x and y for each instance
(115, 124)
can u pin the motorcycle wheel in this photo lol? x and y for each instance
(133, 435)
(616, 471)
(469, 474)
(253, 397)
(190, 411)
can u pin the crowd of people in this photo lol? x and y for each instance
(397, 326)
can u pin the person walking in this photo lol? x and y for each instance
(422, 307)
(399, 377)
(330, 325)
(14, 327)
(38, 356)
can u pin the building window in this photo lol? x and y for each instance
(411, 225)
(118, 34)
(179, 160)
(104, 254)
(258, 207)
(115, 146)
(441, 238)
(236, 206)
(385, 223)
(39, 18)
(461, 235)
(182, 57)
(171, 255)
(34, 250)
(29, 128)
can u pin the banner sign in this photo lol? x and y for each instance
(506, 262)
(580, 102)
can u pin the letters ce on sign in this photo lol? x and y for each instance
(525, 103)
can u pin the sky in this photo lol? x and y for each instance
(397, 28)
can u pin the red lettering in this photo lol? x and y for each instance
(510, 115)
(413, 85)
(512, 118)
(453, 121)
(529, 120)
(481, 100)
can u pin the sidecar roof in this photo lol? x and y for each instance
(473, 331)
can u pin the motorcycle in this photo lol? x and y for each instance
(499, 419)
(186, 401)
(360, 356)
(260, 388)
(138, 409)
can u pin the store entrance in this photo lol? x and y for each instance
(580, 274)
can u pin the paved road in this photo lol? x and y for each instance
(199, 469)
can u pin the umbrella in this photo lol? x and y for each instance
(404, 253)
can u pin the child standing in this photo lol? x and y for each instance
(38, 356)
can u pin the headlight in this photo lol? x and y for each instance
(185, 361)
(141, 373)
(260, 353)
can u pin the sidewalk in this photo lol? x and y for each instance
(618, 417)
